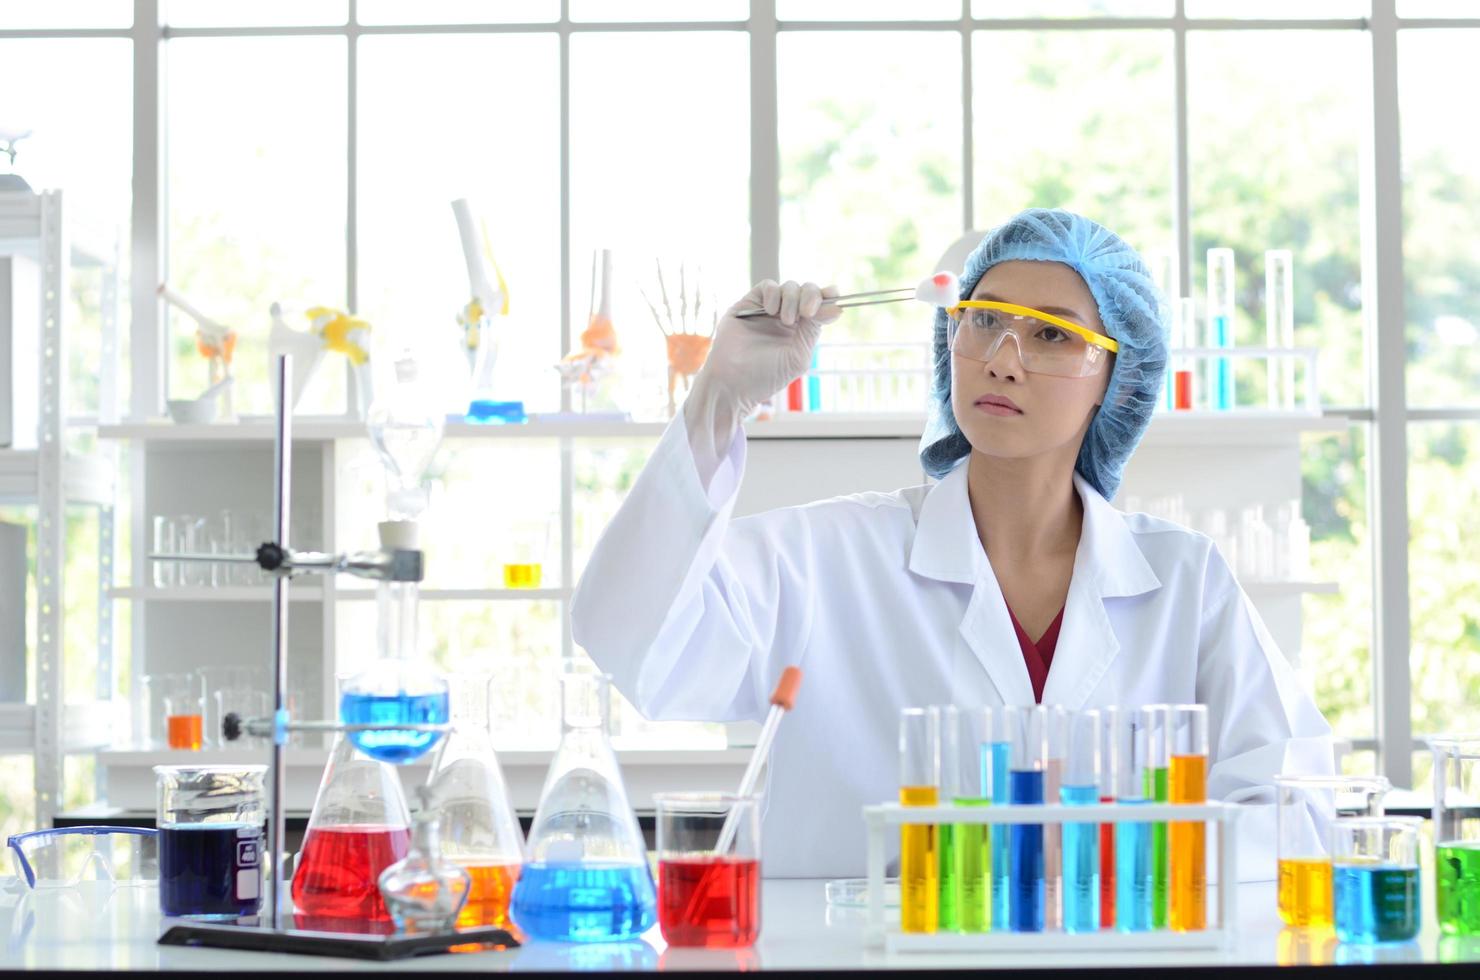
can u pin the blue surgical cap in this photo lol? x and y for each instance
(1132, 309)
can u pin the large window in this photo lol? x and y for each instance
(311, 149)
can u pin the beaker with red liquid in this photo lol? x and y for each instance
(709, 869)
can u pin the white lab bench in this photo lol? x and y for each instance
(117, 931)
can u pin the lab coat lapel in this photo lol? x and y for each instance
(948, 548)
(1108, 565)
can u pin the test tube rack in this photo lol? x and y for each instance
(1223, 860)
(1309, 401)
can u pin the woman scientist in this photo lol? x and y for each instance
(1011, 580)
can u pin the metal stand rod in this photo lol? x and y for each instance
(282, 458)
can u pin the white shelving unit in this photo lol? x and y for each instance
(793, 459)
(31, 224)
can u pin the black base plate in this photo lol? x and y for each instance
(359, 946)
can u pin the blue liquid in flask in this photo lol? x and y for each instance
(1025, 846)
(577, 902)
(400, 709)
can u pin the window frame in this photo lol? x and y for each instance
(1386, 420)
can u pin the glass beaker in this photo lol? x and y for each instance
(211, 825)
(585, 877)
(242, 690)
(167, 537)
(479, 830)
(1375, 878)
(358, 828)
(529, 545)
(1305, 807)
(180, 699)
(707, 898)
(1457, 833)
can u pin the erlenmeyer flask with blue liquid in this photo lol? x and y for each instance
(585, 876)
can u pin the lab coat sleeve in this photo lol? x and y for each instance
(1262, 721)
(692, 613)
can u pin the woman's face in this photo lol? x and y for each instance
(1004, 410)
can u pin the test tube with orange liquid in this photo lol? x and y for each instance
(1188, 897)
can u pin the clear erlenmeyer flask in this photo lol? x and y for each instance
(585, 876)
(358, 828)
(479, 830)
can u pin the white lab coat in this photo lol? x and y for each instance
(887, 600)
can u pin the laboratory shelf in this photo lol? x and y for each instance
(463, 595)
(314, 593)
(85, 479)
(85, 726)
(233, 593)
(801, 426)
(1178, 428)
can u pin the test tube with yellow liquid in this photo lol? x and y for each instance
(1188, 892)
(919, 785)
(1305, 807)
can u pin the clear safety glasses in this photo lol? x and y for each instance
(71, 855)
(1046, 344)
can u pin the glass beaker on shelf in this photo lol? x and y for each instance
(211, 856)
(479, 830)
(175, 700)
(358, 828)
(585, 877)
(241, 690)
(529, 546)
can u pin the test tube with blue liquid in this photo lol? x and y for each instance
(1220, 327)
(1081, 841)
(996, 758)
(1029, 728)
(1135, 855)
(970, 779)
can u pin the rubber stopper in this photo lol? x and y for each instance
(785, 694)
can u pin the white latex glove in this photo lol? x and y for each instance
(751, 359)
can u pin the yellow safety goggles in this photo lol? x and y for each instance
(1046, 344)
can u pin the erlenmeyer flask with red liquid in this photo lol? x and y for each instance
(359, 827)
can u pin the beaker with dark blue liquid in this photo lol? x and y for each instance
(211, 857)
